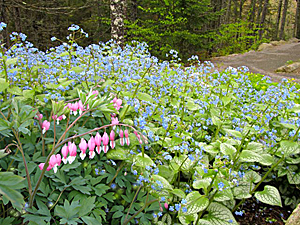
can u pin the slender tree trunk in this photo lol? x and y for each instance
(263, 18)
(252, 11)
(285, 7)
(236, 5)
(117, 13)
(297, 20)
(228, 11)
(278, 19)
(260, 6)
(241, 8)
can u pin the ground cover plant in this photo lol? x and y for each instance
(105, 135)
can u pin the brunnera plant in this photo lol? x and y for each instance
(177, 144)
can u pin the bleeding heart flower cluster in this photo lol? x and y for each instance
(117, 103)
(97, 143)
(76, 106)
(54, 162)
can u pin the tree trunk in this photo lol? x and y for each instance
(259, 11)
(285, 7)
(252, 11)
(297, 20)
(241, 8)
(228, 11)
(263, 18)
(117, 13)
(278, 20)
(236, 5)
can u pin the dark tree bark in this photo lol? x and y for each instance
(285, 7)
(263, 18)
(117, 12)
(297, 20)
(278, 19)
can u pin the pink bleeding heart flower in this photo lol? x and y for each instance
(91, 145)
(54, 162)
(83, 147)
(80, 107)
(138, 137)
(65, 152)
(72, 152)
(41, 166)
(122, 140)
(98, 140)
(105, 140)
(127, 137)
(39, 116)
(118, 104)
(166, 205)
(95, 93)
(74, 108)
(45, 126)
(114, 121)
(112, 139)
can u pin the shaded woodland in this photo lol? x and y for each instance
(200, 27)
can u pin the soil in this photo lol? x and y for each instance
(261, 214)
(264, 62)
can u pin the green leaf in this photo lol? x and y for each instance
(266, 159)
(164, 182)
(190, 105)
(218, 214)
(226, 100)
(249, 156)
(196, 203)
(270, 195)
(89, 220)
(233, 133)
(242, 191)
(202, 183)
(28, 93)
(77, 69)
(227, 149)
(216, 121)
(68, 211)
(224, 195)
(15, 90)
(3, 153)
(293, 177)
(10, 179)
(3, 85)
(43, 209)
(145, 97)
(117, 214)
(178, 193)
(119, 153)
(100, 189)
(175, 141)
(11, 61)
(252, 176)
(141, 161)
(289, 147)
(86, 206)
(13, 196)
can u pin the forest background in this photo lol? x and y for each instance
(204, 28)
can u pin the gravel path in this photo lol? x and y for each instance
(264, 62)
